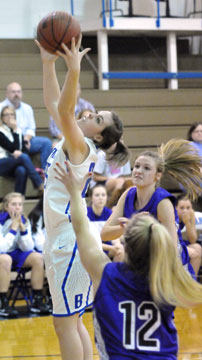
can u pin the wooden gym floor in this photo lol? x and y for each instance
(34, 338)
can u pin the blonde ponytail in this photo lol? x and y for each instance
(150, 252)
(169, 282)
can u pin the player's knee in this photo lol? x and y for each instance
(24, 158)
(64, 325)
(36, 260)
(20, 171)
(58, 326)
(5, 262)
(47, 144)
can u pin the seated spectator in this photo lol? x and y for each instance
(195, 136)
(26, 122)
(187, 223)
(81, 105)
(111, 176)
(17, 250)
(98, 214)
(14, 160)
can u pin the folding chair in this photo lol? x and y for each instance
(20, 285)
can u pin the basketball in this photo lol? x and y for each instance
(56, 28)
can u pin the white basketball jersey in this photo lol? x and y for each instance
(56, 198)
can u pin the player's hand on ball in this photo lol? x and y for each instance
(73, 56)
(45, 55)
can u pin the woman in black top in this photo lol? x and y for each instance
(14, 161)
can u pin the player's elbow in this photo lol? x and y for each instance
(105, 236)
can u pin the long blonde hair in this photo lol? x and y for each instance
(150, 252)
(7, 198)
(179, 159)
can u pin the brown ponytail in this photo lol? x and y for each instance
(111, 135)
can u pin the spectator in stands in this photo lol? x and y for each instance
(195, 136)
(81, 105)
(14, 160)
(17, 251)
(187, 222)
(112, 176)
(26, 122)
(98, 214)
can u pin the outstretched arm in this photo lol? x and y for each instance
(114, 226)
(74, 139)
(92, 257)
(51, 89)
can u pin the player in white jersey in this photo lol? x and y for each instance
(57, 216)
(69, 283)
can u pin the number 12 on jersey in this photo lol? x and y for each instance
(140, 338)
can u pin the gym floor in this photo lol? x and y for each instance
(33, 337)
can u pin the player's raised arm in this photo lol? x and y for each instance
(74, 138)
(51, 89)
(113, 228)
(92, 257)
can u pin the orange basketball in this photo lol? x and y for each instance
(56, 28)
